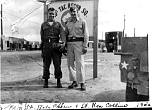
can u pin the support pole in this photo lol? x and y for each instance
(124, 26)
(134, 32)
(45, 12)
(45, 9)
(1, 27)
(95, 35)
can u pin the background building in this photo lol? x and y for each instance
(13, 43)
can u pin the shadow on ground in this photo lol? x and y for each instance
(110, 96)
(30, 85)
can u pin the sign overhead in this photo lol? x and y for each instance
(85, 11)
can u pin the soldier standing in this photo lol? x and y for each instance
(51, 32)
(77, 39)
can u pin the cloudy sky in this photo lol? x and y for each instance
(27, 15)
(137, 15)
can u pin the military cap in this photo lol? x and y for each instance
(51, 10)
(72, 8)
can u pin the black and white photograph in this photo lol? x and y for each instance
(75, 51)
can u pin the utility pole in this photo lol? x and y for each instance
(124, 25)
(1, 27)
(134, 32)
(102, 35)
(45, 9)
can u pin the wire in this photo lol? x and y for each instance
(29, 21)
(23, 22)
(5, 18)
(29, 14)
(19, 17)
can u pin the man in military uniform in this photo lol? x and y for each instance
(77, 40)
(51, 32)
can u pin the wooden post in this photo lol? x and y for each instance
(124, 25)
(134, 32)
(45, 9)
(45, 12)
(1, 27)
(95, 35)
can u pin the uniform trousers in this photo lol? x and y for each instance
(49, 55)
(75, 60)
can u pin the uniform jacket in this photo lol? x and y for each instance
(77, 29)
(51, 33)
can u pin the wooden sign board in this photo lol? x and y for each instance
(85, 10)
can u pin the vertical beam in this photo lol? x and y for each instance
(45, 12)
(134, 32)
(1, 27)
(45, 8)
(124, 25)
(95, 35)
(117, 36)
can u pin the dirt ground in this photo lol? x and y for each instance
(21, 80)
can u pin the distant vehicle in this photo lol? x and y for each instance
(113, 41)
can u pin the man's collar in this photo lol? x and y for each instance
(50, 21)
(78, 18)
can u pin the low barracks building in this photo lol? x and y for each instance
(13, 43)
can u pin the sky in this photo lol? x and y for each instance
(27, 15)
(110, 18)
(137, 15)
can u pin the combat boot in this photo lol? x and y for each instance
(45, 83)
(83, 87)
(73, 85)
(59, 85)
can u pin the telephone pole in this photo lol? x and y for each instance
(45, 9)
(124, 25)
(134, 32)
(1, 27)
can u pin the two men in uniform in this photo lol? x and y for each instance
(76, 38)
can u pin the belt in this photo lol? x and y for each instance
(52, 37)
(74, 39)
(50, 40)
